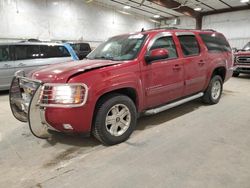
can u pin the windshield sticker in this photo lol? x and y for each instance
(138, 36)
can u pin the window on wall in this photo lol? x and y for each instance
(189, 45)
(215, 42)
(167, 43)
(4, 53)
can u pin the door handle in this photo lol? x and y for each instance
(177, 67)
(21, 65)
(201, 62)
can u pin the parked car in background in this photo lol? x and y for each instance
(129, 75)
(242, 61)
(82, 49)
(29, 56)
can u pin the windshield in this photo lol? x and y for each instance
(119, 48)
(247, 47)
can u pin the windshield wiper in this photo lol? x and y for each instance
(104, 57)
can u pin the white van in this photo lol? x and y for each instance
(28, 56)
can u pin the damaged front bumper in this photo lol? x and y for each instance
(24, 97)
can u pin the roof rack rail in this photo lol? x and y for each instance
(169, 28)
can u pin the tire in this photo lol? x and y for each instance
(115, 119)
(236, 74)
(211, 96)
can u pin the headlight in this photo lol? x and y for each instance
(63, 95)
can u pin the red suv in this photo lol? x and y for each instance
(127, 76)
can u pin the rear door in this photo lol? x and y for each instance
(163, 79)
(194, 61)
(27, 57)
(7, 66)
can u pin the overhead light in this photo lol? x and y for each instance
(157, 16)
(88, 1)
(244, 1)
(127, 7)
(123, 12)
(55, 3)
(197, 8)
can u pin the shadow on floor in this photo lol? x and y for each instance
(2, 93)
(244, 76)
(154, 120)
(145, 122)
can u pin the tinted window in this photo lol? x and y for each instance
(4, 53)
(27, 52)
(54, 51)
(167, 43)
(215, 42)
(189, 45)
(81, 47)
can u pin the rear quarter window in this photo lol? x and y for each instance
(215, 42)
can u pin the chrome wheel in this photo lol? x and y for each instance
(118, 120)
(216, 90)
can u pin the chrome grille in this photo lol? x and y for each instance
(243, 59)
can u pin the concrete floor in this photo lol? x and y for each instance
(189, 146)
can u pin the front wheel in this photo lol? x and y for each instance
(213, 93)
(115, 119)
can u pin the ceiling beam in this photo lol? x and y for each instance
(226, 10)
(178, 7)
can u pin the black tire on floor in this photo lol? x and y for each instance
(236, 74)
(101, 130)
(208, 97)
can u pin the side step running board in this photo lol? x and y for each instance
(171, 105)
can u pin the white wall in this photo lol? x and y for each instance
(64, 19)
(234, 25)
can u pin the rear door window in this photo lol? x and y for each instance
(215, 42)
(189, 45)
(167, 43)
(23, 52)
(4, 53)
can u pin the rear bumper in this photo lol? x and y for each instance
(42, 120)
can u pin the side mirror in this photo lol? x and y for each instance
(156, 54)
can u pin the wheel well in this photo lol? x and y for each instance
(220, 71)
(130, 92)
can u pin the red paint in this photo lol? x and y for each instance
(154, 84)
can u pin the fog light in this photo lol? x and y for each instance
(67, 126)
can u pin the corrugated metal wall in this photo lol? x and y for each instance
(64, 20)
(234, 25)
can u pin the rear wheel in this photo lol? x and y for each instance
(213, 93)
(115, 119)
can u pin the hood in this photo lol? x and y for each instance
(242, 53)
(60, 73)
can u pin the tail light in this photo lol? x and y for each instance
(63, 95)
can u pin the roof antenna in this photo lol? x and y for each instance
(142, 30)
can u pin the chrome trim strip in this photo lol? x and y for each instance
(174, 104)
(64, 105)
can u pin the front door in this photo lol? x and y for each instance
(163, 79)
